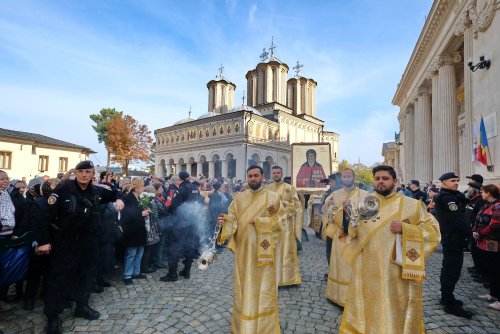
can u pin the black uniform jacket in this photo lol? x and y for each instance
(71, 211)
(450, 211)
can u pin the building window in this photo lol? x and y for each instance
(5, 160)
(63, 164)
(43, 163)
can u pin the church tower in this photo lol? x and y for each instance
(301, 94)
(220, 94)
(267, 82)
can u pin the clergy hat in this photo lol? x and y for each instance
(86, 164)
(449, 175)
(476, 177)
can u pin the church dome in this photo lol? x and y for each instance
(243, 107)
(185, 120)
(207, 115)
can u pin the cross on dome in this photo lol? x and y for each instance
(221, 72)
(297, 68)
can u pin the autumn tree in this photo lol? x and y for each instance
(101, 127)
(128, 140)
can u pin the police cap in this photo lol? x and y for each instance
(86, 164)
(447, 176)
(183, 175)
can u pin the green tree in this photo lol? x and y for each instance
(101, 121)
(343, 165)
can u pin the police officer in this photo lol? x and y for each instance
(450, 213)
(68, 229)
(183, 239)
(416, 193)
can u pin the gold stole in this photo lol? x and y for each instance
(412, 248)
(412, 241)
(356, 245)
(266, 227)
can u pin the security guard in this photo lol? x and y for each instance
(183, 239)
(450, 213)
(68, 229)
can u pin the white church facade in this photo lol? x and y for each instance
(227, 139)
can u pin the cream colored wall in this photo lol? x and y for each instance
(25, 164)
(485, 97)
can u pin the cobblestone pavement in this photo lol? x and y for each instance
(203, 303)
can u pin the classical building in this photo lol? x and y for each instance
(24, 154)
(226, 139)
(390, 152)
(443, 94)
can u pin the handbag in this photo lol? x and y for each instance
(488, 245)
(14, 265)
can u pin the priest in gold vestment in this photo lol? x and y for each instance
(333, 217)
(387, 255)
(253, 224)
(287, 261)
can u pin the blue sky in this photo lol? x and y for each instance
(61, 61)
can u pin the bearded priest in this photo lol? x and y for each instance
(287, 260)
(387, 255)
(254, 223)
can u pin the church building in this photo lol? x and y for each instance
(227, 139)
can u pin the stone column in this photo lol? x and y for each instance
(211, 169)
(178, 168)
(224, 169)
(240, 168)
(466, 163)
(435, 122)
(199, 168)
(408, 144)
(188, 168)
(423, 136)
(448, 122)
(169, 169)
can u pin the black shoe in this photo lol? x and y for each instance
(87, 313)
(128, 281)
(140, 276)
(161, 266)
(458, 311)
(29, 304)
(103, 283)
(98, 288)
(54, 326)
(451, 301)
(68, 304)
(169, 278)
(185, 273)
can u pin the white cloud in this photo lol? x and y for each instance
(251, 13)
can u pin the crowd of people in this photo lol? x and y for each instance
(68, 233)
(77, 227)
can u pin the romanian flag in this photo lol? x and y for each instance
(482, 145)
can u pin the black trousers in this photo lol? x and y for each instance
(181, 242)
(37, 269)
(72, 270)
(492, 259)
(453, 259)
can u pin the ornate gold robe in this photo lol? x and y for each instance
(287, 261)
(379, 300)
(255, 290)
(339, 271)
